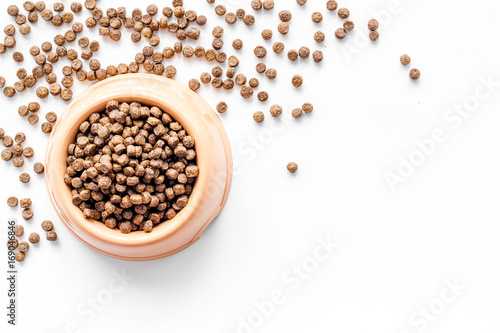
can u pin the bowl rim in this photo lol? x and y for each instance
(167, 228)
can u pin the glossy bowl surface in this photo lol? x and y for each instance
(214, 159)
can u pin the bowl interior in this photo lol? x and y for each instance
(69, 123)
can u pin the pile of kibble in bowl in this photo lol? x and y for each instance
(131, 166)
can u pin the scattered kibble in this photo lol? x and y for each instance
(12, 202)
(292, 167)
(34, 238)
(18, 230)
(374, 35)
(52, 236)
(24, 177)
(221, 107)
(47, 225)
(405, 59)
(297, 113)
(297, 81)
(415, 74)
(373, 24)
(258, 116)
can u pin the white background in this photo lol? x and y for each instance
(399, 249)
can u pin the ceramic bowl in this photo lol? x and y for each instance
(214, 160)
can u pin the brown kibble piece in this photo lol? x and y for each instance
(374, 35)
(12, 244)
(285, 15)
(246, 92)
(415, 74)
(348, 25)
(293, 55)
(307, 107)
(260, 52)
(297, 81)
(249, 19)
(292, 167)
(373, 24)
(25, 203)
(51, 236)
(12, 201)
(267, 34)
(258, 116)
(340, 33)
(220, 10)
(237, 44)
(18, 230)
(24, 247)
(283, 28)
(405, 59)
(34, 238)
(260, 68)
(27, 213)
(317, 17)
(331, 5)
(262, 96)
(221, 107)
(271, 73)
(24, 177)
(276, 110)
(46, 127)
(47, 225)
(38, 168)
(343, 13)
(20, 256)
(297, 113)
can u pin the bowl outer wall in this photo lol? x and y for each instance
(213, 158)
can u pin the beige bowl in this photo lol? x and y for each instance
(213, 157)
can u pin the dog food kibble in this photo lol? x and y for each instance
(276, 110)
(271, 73)
(24, 177)
(307, 107)
(267, 34)
(297, 113)
(283, 28)
(343, 13)
(246, 92)
(374, 35)
(340, 33)
(27, 213)
(262, 96)
(258, 116)
(24, 247)
(292, 167)
(415, 74)
(405, 59)
(319, 37)
(47, 225)
(38, 168)
(260, 52)
(19, 256)
(278, 47)
(12, 244)
(12, 202)
(317, 17)
(373, 24)
(25, 203)
(221, 107)
(34, 238)
(134, 147)
(18, 230)
(348, 25)
(297, 81)
(304, 52)
(51, 236)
